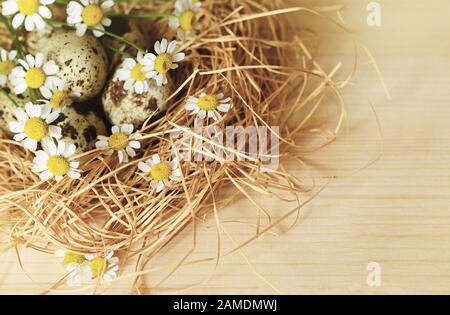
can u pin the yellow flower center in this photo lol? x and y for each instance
(35, 78)
(208, 102)
(161, 171)
(28, 7)
(186, 18)
(137, 73)
(59, 99)
(118, 141)
(58, 165)
(6, 67)
(36, 128)
(163, 63)
(73, 259)
(92, 15)
(98, 266)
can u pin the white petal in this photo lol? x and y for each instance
(126, 128)
(50, 68)
(19, 137)
(159, 79)
(158, 47)
(45, 176)
(80, 29)
(130, 152)
(144, 167)
(106, 21)
(160, 186)
(12, 54)
(45, 110)
(73, 174)
(156, 159)
(139, 87)
(15, 127)
(52, 117)
(163, 45)
(18, 20)
(21, 115)
(98, 32)
(70, 150)
(123, 74)
(20, 87)
(38, 168)
(115, 129)
(55, 132)
(9, 7)
(202, 114)
(18, 72)
(172, 46)
(178, 57)
(33, 110)
(107, 4)
(224, 107)
(29, 23)
(135, 144)
(128, 85)
(38, 21)
(45, 12)
(51, 147)
(30, 144)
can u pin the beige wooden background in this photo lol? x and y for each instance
(395, 213)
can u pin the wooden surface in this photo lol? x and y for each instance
(395, 213)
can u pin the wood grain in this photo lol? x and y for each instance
(396, 212)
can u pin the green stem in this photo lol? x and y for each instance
(118, 51)
(120, 38)
(9, 97)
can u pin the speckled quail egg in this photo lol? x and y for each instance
(80, 127)
(128, 107)
(82, 60)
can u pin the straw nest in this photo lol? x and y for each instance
(244, 50)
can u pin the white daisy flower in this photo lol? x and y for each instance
(165, 60)
(161, 173)
(121, 141)
(185, 19)
(73, 263)
(208, 105)
(105, 266)
(60, 96)
(34, 124)
(7, 64)
(30, 11)
(56, 160)
(35, 73)
(136, 74)
(89, 13)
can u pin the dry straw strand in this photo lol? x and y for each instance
(243, 51)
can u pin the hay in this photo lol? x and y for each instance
(243, 51)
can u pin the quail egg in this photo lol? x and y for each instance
(80, 127)
(82, 60)
(127, 107)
